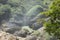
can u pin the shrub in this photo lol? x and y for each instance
(53, 25)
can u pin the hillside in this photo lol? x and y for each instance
(29, 19)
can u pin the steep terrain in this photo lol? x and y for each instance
(22, 19)
(7, 36)
(34, 36)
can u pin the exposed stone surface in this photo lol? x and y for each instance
(31, 38)
(25, 30)
(39, 35)
(7, 36)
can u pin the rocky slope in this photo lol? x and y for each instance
(7, 36)
(40, 34)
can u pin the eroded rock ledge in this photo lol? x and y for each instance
(7, 36)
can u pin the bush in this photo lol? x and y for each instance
(53, 25)
(4, 12)
(36, 33)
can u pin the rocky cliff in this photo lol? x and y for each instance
(40, 34)
(7, 36)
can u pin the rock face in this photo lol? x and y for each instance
(31, 38)
(7, 36)
(40, 34)
(25, 30)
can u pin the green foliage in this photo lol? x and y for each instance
(3, 1)
(14, 3)
(32, 11)
(53, 25)
(36, 33)
(4, 8)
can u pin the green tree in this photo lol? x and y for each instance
(4, 12)
(14, 3)
(53, 25)
(3, 1)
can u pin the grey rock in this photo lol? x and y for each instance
(21, 33)
(31, 38)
